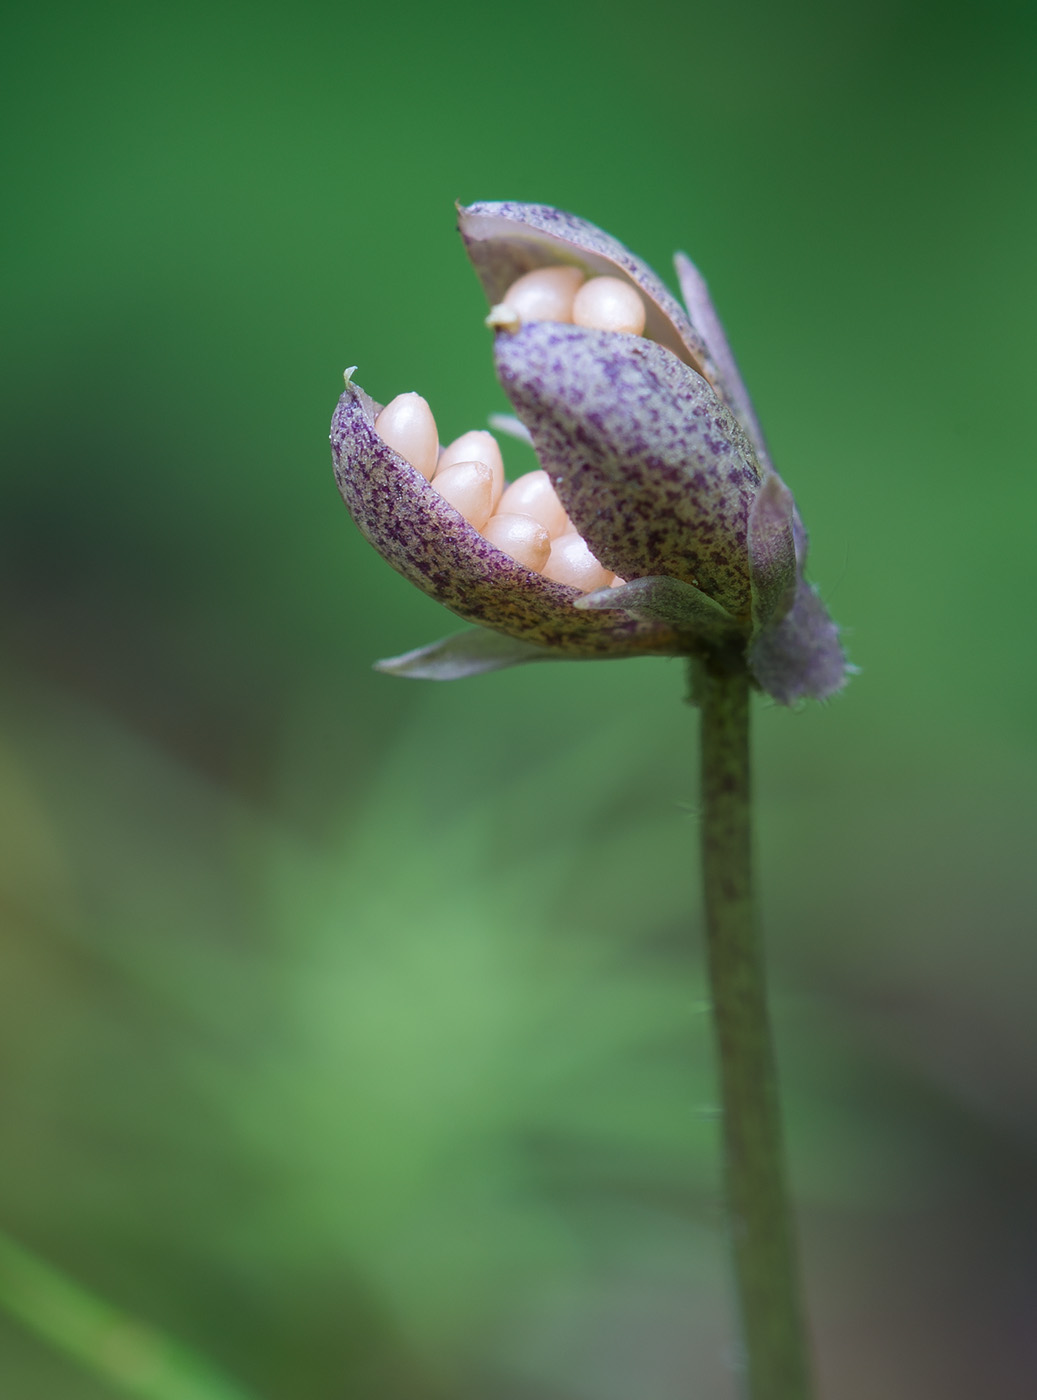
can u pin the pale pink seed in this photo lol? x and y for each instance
(476, 446)
(616, 581)
(609, 304)
(524, 538)
(407, 426)
(571, 562)
(545, 294)
(468, 486)
(534, 495)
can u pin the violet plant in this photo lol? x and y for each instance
(655, 526)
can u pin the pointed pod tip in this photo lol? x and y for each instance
(503, 317)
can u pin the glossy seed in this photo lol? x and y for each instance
(572, 563)
(407, 426)
(534, 495)
(468, 486)
(476, 446)
(545, 294)
(609, 304)
(524, 538)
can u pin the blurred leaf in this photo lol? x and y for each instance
(133, 1358)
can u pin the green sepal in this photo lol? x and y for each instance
(468, 653)
(660, 599)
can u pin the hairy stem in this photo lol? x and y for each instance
(776, 1357)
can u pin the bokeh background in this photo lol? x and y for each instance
(351, 1029)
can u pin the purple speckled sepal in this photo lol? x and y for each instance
(470, 653)
(772, 552)
(654, 471)
(430, 543)
(796, 654)
(800, 658)
(505, 240)
(726, 378)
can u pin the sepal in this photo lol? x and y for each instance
(681, 606)
(469, 653)
(800, 658)
(772, 552)
(722, 366)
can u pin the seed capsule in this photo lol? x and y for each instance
(571, 562)
(407, 426)
(534, 495)
(476, 446)
(524, 538)
(468, 486)
(609, 304)
(545, 294)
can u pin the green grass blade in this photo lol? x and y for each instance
(132, 1357)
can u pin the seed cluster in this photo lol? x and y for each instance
(525, 520)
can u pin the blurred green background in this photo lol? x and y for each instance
(350, 1027)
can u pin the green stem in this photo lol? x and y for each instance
(776, 1354)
